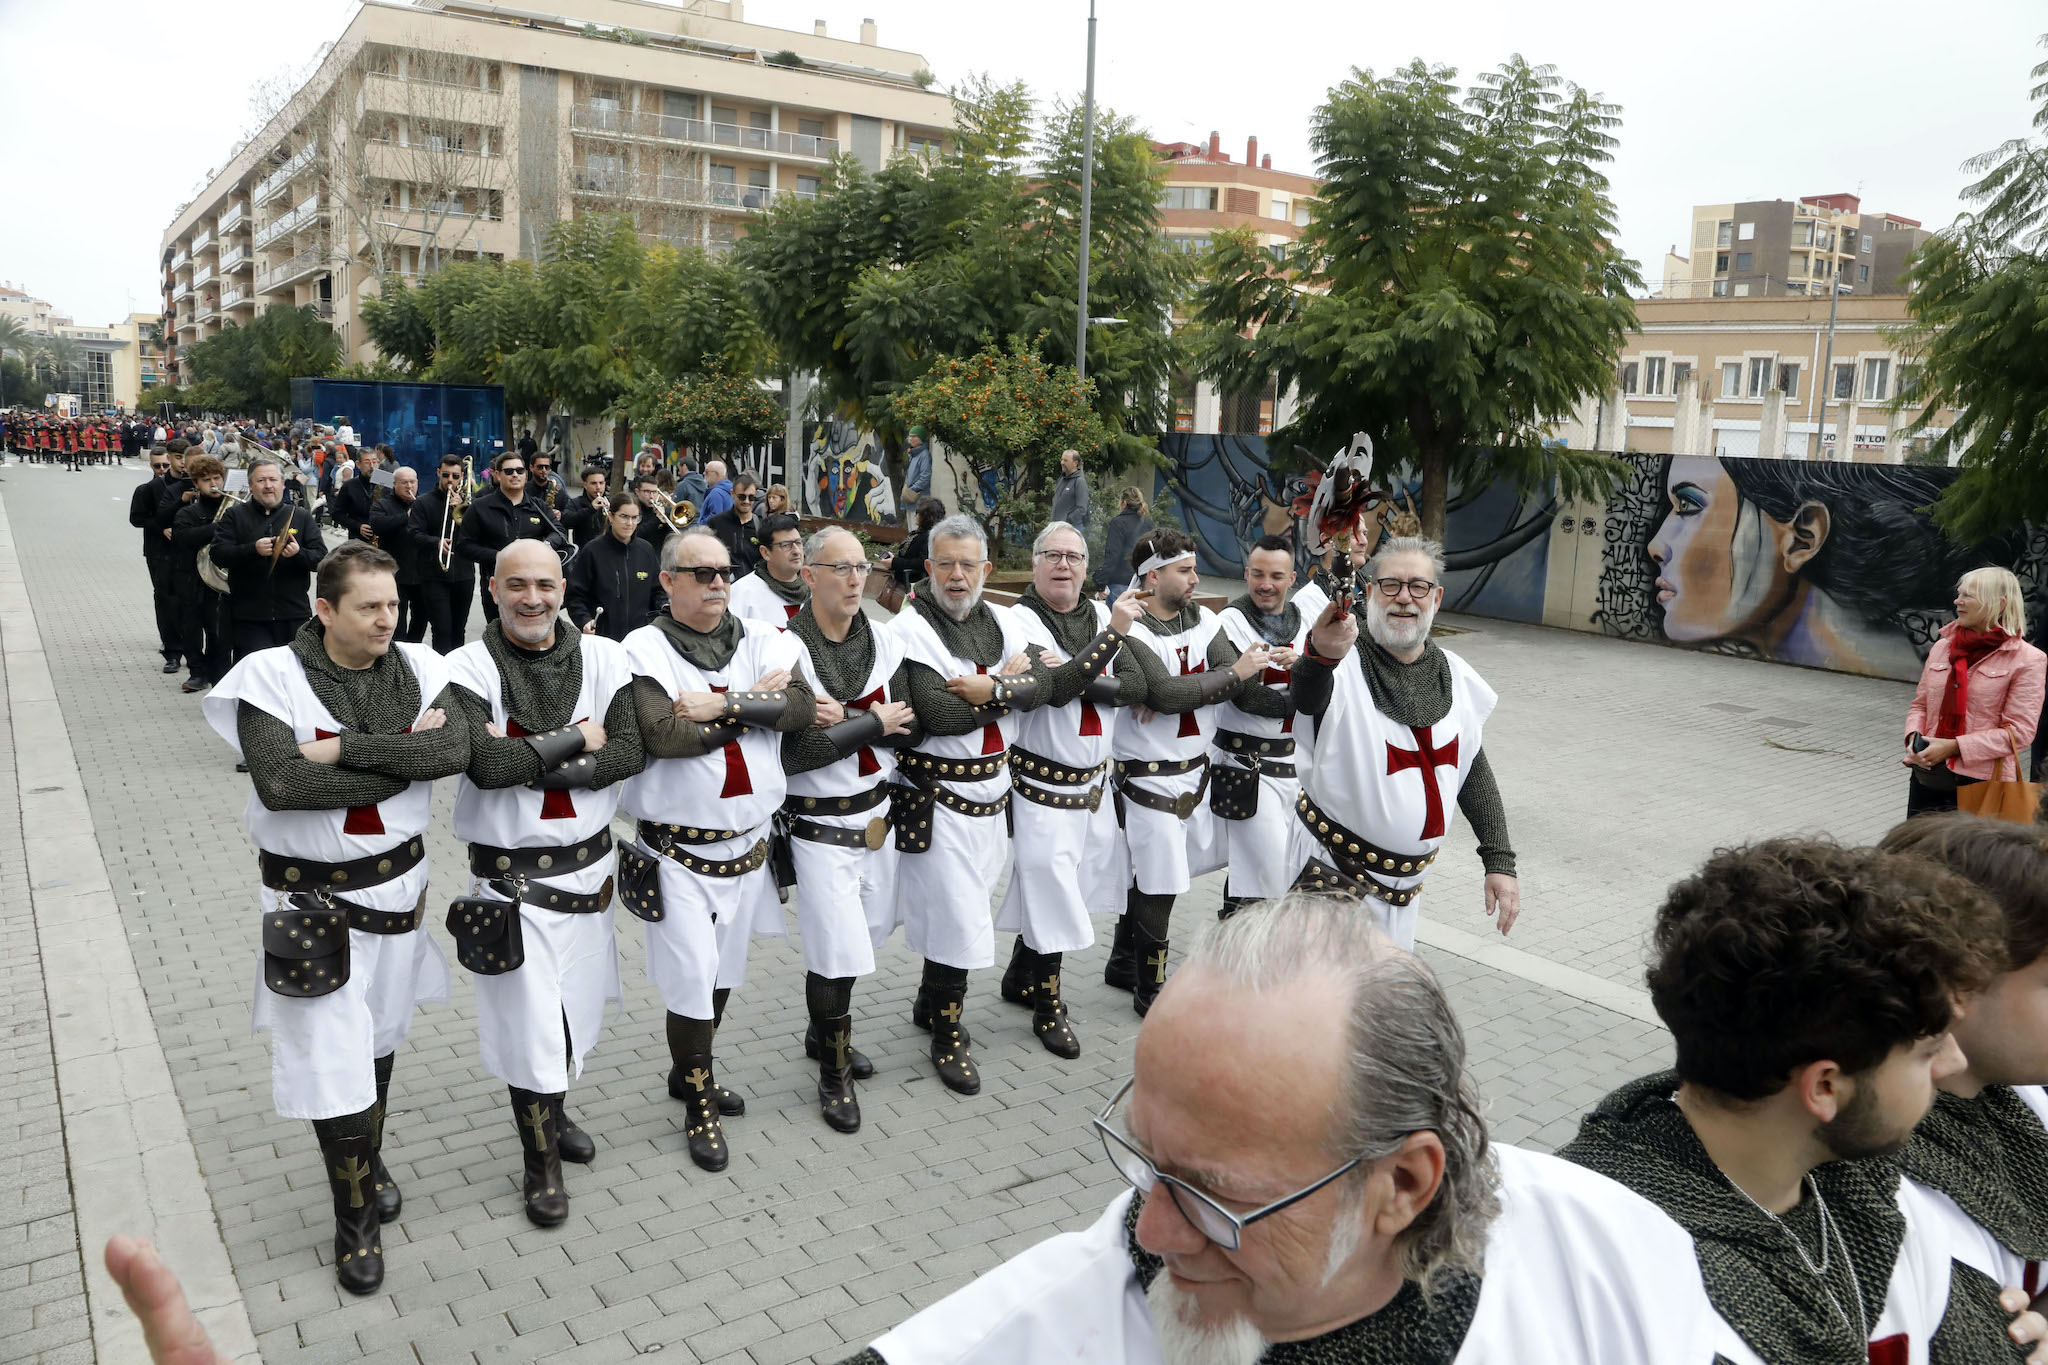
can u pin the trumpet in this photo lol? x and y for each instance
(451, 512)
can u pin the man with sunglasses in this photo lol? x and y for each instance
(777, 588)
(1065, 862)
(156, 551)
(713, 694)
(444, 591)
(1398, 726)
(507, 512)
(741, 530)
(1336, 1200)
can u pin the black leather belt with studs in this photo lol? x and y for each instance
(753, 858)
(1179, 807)
(837, 805)
(1259, 753)
(1024, 763)
(654, 834)
(952, 769)
(1089, 800)
(486, 861)
(281, 873)
(1355, 856)
(1321, 877)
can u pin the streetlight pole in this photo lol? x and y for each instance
(1826, 389)
(1087, 201)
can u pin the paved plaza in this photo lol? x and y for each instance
(1622, 765)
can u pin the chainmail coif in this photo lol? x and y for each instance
(843, 666)
(1639, 1137)
(979, 638)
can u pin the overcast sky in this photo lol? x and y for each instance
(125, 104)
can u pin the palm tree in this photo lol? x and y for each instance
(14, 335)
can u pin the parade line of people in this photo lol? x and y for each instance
(1844, 1165)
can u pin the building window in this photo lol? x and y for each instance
(1720, 263)
(1188, 197)
(1760, 373)
(1720, 289)
(1653, 374)
(1909, 382)
(1680, 372)
(1300, 214)
(1745, 260)
(722, 114)
(813, 127)
(1866, 244)
(1731, 379)
(1282, 209)
(1746, 232)
(1876, 375)
(1802, 234)
(919, 145)
(1788, 380)
(1845, 381)
(1863, 274)
(1629, 374)
(1187, 243)
(809, 185)
(1741, 291)
(1725, 236)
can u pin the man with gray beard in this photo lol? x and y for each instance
(1312, 1183)
(1392, 710)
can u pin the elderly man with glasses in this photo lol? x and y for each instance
(1398, 726)
(1311, 1180)
(713, 694)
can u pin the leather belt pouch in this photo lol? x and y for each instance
(305, 948)
(640, 881)
(487, 933)
(1233, 791)
(912, 809)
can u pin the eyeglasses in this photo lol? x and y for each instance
(509, 470)
(1418, 588)
(1211, 1219)
(743, 497)
(847, 572)
(796, 544)
(1074, 557)
(705, 573)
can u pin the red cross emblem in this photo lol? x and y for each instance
(738, 781)
(1891, 1350)
(1190, 728)
(992, 733)
(361, 819)
(868, 766)
(1279, 677)
(789, 612)
(1428, 759)
(554, 805)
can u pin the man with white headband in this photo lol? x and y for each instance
(1161, 749)
(1398, 724)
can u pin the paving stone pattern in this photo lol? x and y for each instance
(1622, 764)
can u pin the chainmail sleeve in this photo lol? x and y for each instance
(1313, 683)
(286, 779)
(939, 712)
(1174, 693)
(664, 734)
(420, 756)
(495, 761)
(623, 755)
(1480, 801)
(800, 708)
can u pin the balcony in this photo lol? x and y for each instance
(183, 291)
(207, 311)
(237, 216)
(201, 275)
(181, 260)
(235, 297)
(270, 185)
(308, 211)
(439, 101)
(675, 189)
(281, 276)
(203, 241)
(604, 121)
(235, 258)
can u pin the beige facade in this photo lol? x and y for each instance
(458, 129)
(138, 362)
(1738, 376)
(1778, 247)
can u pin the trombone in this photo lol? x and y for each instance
(674, 515)
(451, 512)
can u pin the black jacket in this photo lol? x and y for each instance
(142, 505)
(1126, 529)
(167, 504)
(652, 529)
(739, 541)
(625, 580)
(351, 505)
(428, 509)
(391, 522)
(260, 591)
(192, 530)
(492, 522)
(581, 520)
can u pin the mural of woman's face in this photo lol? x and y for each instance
(1720, 568)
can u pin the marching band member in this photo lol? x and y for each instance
(202, 612)
(269, 549)
(615, 580)
(505, 512)
(445, 575)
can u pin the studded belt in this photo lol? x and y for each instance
(364, 918)
(1159, 767)
(654, 834)
(1059, 800)
(562, 903)
(980, 810)
(951, 769)
(281, 873)
(486, 861)
(837, 805)
(1255, 746)
(869, 836)
(755, 857)
(1353, 855)
(1320, 876)
(1179, 807)
(1024, 763)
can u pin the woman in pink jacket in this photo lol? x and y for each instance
(1979, 697)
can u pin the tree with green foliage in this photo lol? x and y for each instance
(889, 274)
(717, 412)
(247, 369)
(1457, 288)
(1978, 297)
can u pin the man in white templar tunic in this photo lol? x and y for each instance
(713, 692)
(1066, 863)
(343, 735)
(1260, 744)
(1398, 726)
(552, 738)
(840, 772)
(776, 590)
(1162, 751)
(1312, 1184)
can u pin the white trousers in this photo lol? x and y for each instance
(323, 1050)
(1064, 867)
(943, 894)
(845, 901)
(1258, 853)
(700, 942)
(1396, 921)
(572, 971)
(1158, 842)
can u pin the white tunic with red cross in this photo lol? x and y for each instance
(1256, 850)
(572, 963)
(1159, 842)
(736, 787)
(323, 1050)
(1391, 784)
(755, 600)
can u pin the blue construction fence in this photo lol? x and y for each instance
(421, 422)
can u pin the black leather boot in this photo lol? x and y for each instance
(358, 1241)
(862, 1065)
(1018, 976)
(699, 1094)
(1120, 972)
(941, 1001)
(576, 1144)
(389, 1200)
(836, 1100)
(1048, 1011)
(539, 1120)
(1150, 917)
(692, 1040)
(730, 1103)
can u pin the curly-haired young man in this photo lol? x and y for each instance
(1810, 989)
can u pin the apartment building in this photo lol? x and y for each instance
(1207, 193)
(1778, 247)
(448, 130)
(1744, 376)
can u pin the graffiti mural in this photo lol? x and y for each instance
(845, 475)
